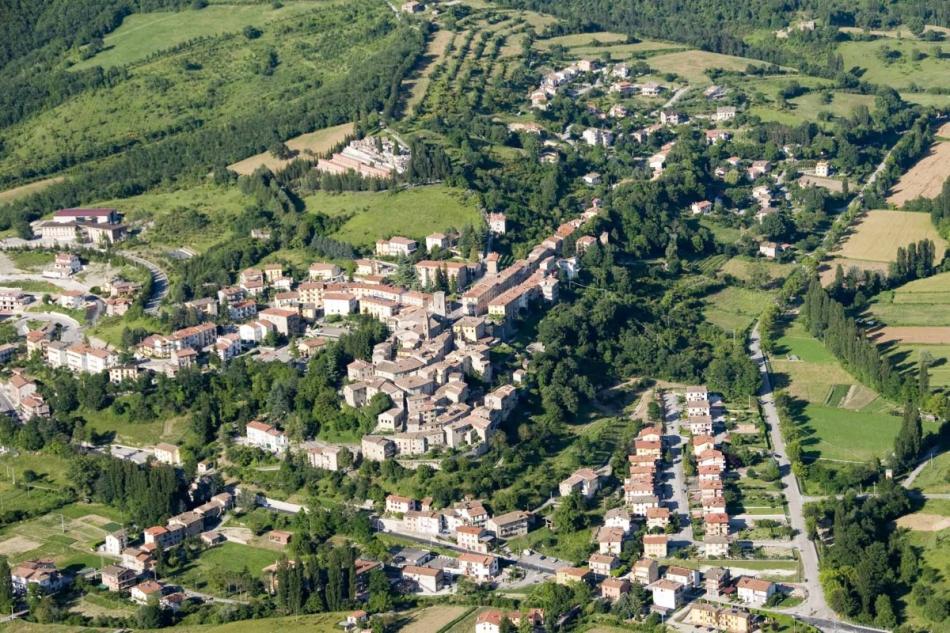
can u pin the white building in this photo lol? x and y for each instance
(266, 437)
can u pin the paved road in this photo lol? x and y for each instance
(814, 605)
(69, 327)
(676, 97)
(159, 282)
(675, 479)
(912, 477)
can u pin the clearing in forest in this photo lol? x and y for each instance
(310, 145)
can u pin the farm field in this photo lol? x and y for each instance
(322, 623)
(915, 321)
(581, 39)
(413, 212)
(735, 308)
(143, 34)
(310, 145)
(900, 73)
(38, 496)
(927, 176)
(67, 535)
(435, 53)
(843, 420)
(692, 65)
(465, 625)
(875, 240)
(435, 618)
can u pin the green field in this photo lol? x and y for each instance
(935, 550)
(899, 74)
(808, 106)
(414, 212)
(735, 308)
(136, 432)
(692, 65)
(922, 303)
(842, 419)
(143, 34)
(744, 267)
(221, 77)
(322, 623)
(225, 557)
(935, 477)
(41, 495)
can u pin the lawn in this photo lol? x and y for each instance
(692, 65)
(109, 329)
(900, 73)
(413, 212)
(143, 34)
(735, 308)
(842, 434)
(39, 496)
(31, 260)
(935, 477)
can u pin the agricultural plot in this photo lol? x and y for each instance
(436, 618)
(310, 146)
(435, 54)
(734, 309)
(68, 535)
(414, 212)
(842, 419)
(897, 69)
(874, 241)
(692, 65)
(914, 320)
(927, 176)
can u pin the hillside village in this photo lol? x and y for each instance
(484, 320)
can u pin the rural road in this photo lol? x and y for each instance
(814, 605)
(159, 281)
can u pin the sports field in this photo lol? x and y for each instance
(311, 145)
(927, 176)
(412, 212)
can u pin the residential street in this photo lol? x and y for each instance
(674, 486)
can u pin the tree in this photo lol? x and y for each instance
(569, 515)
(380, 594)
(885, 617)
(6, 586)
(733, 374)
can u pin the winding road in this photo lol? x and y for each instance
(159, 281)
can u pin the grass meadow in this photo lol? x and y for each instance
(692, 65)
(901, 73)
(413, 212)
(735, 308)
